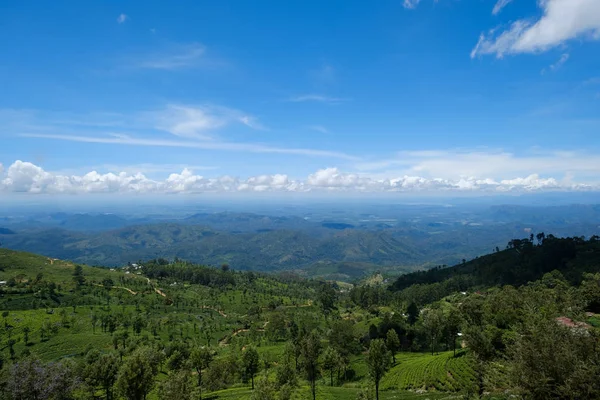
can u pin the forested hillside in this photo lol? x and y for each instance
(522, 261)
(170, 329)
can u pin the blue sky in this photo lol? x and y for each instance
(195, 96)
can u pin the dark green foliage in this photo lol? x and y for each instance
(188, 273)
(331, 361)
(412, 312)
(137, 375)
(342, 337)
(392, 342)
(286, 374)
(327, 296)
(250, 363)
(201, 358)
(311, 351)
(100, 371)
(78, 277)
(553, 361)
(378, 362)
(178, 386)
(521, 262)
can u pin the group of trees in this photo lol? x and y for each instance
(132, 379)
(528, 339)
(524, 260)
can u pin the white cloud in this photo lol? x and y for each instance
(179, 57)
(318, 98)
(319, 128)
(563, 59)
(484, 163)
(206, 145)
(411, 3)
(189, 122)
(26, 177)
(562, 20)
(500, 4)
(122, 18)
(193, 127)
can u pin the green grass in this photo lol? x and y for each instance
(329, 393)
(442, 372)
(196, 314)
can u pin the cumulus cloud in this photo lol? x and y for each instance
(561, 21)
(25, 177)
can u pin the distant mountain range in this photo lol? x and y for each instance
(340, 246)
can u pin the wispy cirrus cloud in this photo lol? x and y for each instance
(204, 145)
(563, 59)
(175, 126)
(500, 4)
(319, 98)
(488, 164)
(561, 21)
(122, 18)
(174, 58)
(319, 128)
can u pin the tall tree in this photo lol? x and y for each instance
(432, 323)
(26, 331)
(378, 362)
(178, 386)
(250, 363)
(311, 350)
(78, 276)
(393, 343)
(412, 313)
(453, 322)
(330, 362)
(201, 358)
(101, 371)
(137, 375)
(327, 296)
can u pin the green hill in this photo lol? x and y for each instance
(521, 262)
(264, 251)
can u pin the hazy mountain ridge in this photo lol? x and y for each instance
(336, 243)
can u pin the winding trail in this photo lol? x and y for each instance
(225, 341)
(118, 287)
(215, 310)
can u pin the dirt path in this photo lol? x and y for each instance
(118, 287)
(236, 332)
(215, 310)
